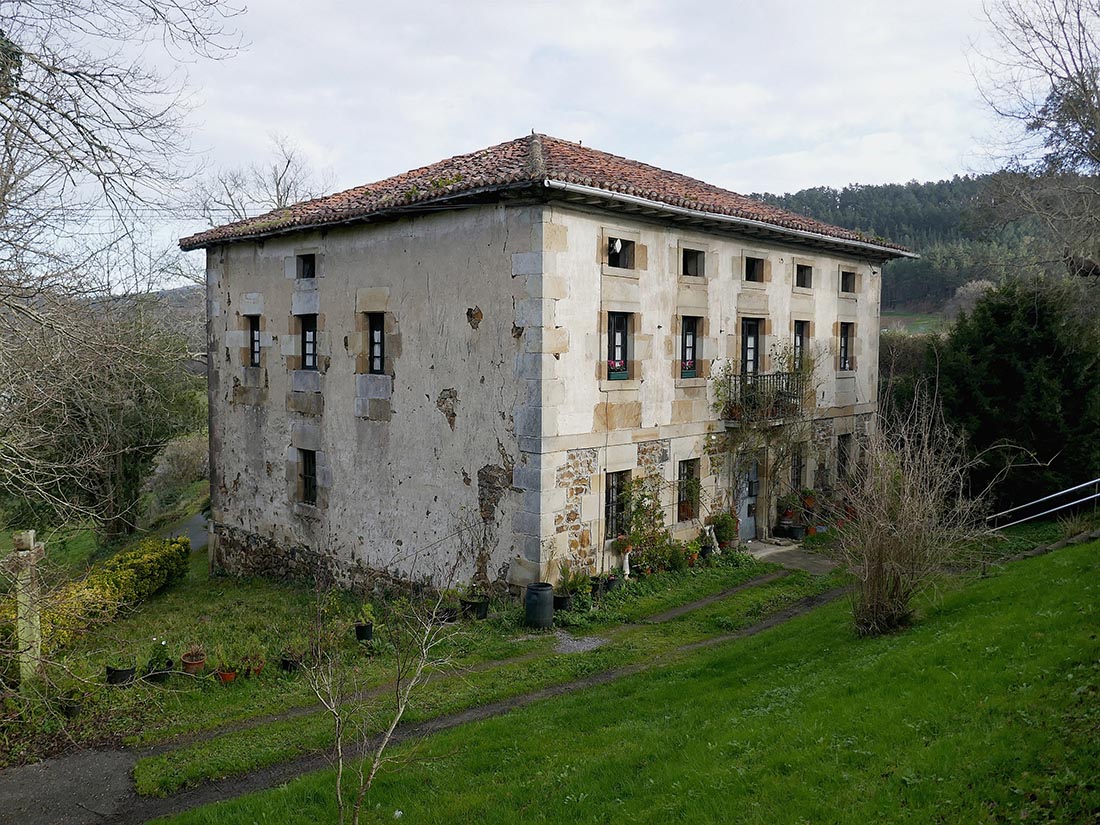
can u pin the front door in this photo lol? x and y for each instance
(746, 511)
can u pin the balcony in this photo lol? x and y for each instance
(762, 397)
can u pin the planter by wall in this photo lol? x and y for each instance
(476, 607)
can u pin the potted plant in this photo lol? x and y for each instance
(193, 659)
(725, 529)
(572, 581)
(120, 670)
(226, 669)
(292, 655)
(475, 604)
(809, 499)
(158, 665)
(614, 579)
(252, 663)
(364, 623)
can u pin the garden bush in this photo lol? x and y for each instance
(121, 582)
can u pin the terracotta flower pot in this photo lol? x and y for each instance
(193, 665)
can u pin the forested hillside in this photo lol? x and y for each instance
(950, 223)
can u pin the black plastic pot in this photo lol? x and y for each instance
(797, 532)
(563, 601)
(288, 663)
(447, 614)
(364, 631)
(613, 583)
(120, 675)
(476, 607)
(158, 672)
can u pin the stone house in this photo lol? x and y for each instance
(507, 336)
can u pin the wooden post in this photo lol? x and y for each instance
(22, 563)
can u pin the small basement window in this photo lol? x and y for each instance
(847, 282)
(694, 263)
(804, 276)
(620, 253)
(754, 269)
(307, 266)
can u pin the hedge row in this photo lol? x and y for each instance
(123, 581)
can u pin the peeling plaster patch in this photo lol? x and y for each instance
(493, 481)
(517, 331)
(474, 316)
(466, 478)
(446, 403)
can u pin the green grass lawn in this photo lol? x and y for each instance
(985, 711)
(237, 752)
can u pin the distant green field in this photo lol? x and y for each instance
(914, 322)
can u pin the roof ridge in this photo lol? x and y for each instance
(536, 161)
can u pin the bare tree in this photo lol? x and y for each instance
(1042, 73)
(242, 192)
(92, 137)
(913, 516)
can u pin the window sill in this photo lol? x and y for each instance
(692, 280)
(802, 290)
(849, 296)
(307, 511)
(684, 383)
(618, 272)
(754, 284)
(846, 373)
(620, 385)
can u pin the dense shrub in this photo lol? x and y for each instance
(125, 580)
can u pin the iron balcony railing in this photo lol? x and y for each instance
(763, 396)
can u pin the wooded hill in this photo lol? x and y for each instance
(950, 223)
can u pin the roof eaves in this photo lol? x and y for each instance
(689, 211)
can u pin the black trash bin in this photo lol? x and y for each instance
(539, 604)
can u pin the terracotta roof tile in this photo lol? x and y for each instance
(532, 159)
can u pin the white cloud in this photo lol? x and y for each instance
(755, 96)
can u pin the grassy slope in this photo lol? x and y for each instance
(238, 752)
(985, 711)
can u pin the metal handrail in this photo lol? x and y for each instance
(1096, 495)
(1044, 498)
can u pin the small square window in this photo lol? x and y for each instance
(804, 276)
(308, 325)
(847, 282)
(620, 253)
(694, 264)
(307, 476)
(307, 266)
(376, 342)
(253, 340)
(754, 269)
(618, 346)
(689, 346)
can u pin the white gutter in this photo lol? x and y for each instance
(634, 200)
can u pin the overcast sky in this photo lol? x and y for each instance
(752, 96)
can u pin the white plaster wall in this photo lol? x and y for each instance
(393, 487)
